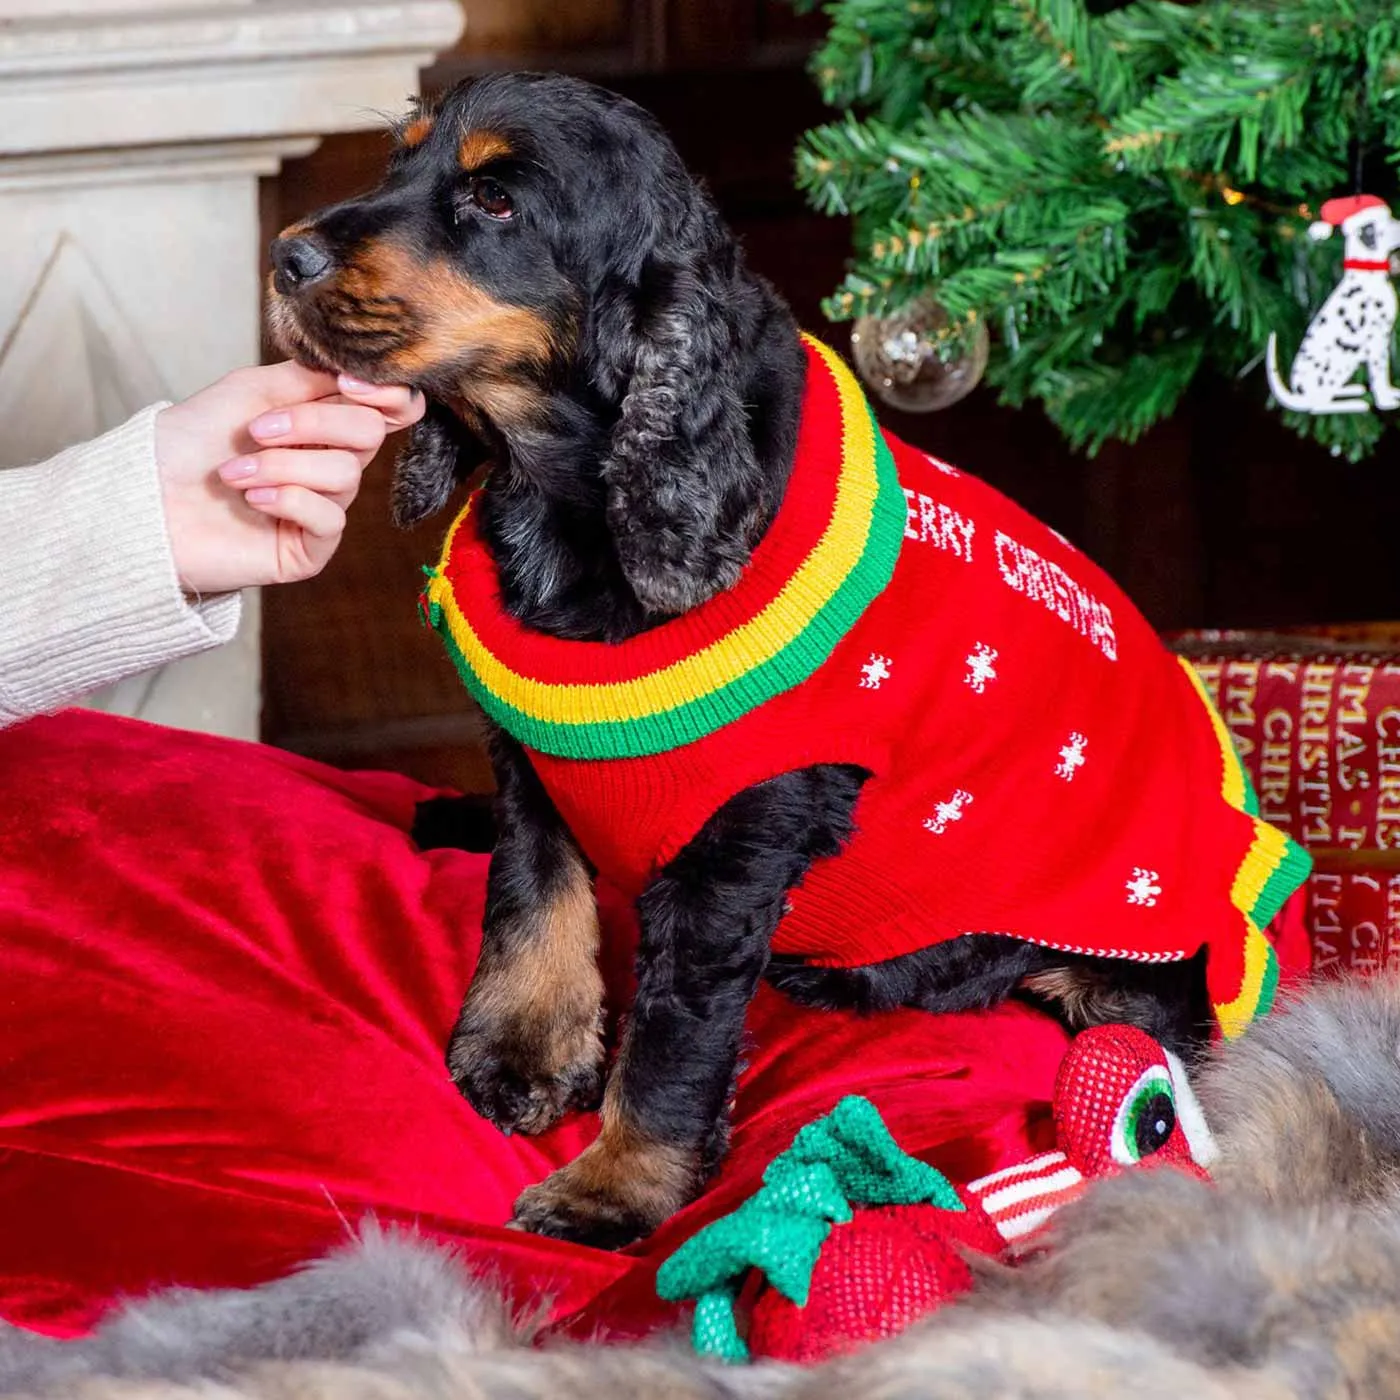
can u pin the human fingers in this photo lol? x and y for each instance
(325, 423)
(400, 405)
(285, 383)
(330, 472)
(318, 515)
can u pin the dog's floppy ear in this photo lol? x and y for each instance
(681, 473)
(435, 457)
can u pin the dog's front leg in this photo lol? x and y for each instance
(528, 1043)
(706, 923)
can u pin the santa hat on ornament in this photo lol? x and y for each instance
(1336, 212)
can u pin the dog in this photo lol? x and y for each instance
(1355, 324)
(782, 776)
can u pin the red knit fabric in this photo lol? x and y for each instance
(877, 1273)
(1043, 766)
(799, 525)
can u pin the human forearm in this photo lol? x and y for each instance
(88, 588)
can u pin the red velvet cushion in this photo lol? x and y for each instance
(226, 978)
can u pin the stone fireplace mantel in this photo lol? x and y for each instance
(132, 138)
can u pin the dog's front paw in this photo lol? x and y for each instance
(606, 1198)
(525, 1073)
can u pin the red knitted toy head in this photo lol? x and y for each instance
(1121, 1102)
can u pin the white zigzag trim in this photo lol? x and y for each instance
(1126, 954)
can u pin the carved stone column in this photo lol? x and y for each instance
(132, 138)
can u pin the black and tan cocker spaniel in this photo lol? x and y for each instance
(690, 526)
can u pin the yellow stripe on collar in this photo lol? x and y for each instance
(739, 653)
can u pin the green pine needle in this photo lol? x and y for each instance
(1121, 191)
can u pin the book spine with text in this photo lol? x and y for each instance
(1319, 733)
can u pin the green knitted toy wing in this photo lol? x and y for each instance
(868, 1164)
(843, 1159)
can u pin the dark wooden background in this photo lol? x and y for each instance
(1220, 517)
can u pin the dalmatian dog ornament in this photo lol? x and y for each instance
(1355, 324)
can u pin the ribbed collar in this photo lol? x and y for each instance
(829, 553)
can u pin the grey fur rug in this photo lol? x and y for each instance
(1281, 1280)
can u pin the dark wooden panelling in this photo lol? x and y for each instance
(608, 38)
(346, 649)
(593, 36)
(738, 34)
(350, 674)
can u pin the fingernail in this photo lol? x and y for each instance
(271, 425)
(261, 495)
(351, 385)
(238, 468)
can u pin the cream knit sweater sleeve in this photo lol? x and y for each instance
(88, 590)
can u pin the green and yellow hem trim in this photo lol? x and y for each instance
(1272, 869)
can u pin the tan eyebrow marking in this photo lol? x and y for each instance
(478, 147)
(416, 132)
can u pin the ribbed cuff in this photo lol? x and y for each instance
(88, 589)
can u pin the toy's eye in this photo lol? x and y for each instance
(1145, 1119)
(491, 197)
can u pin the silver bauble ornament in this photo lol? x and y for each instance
(898, 356)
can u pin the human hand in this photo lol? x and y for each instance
(257, 471)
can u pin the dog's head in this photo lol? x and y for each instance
(1366, 223)
(537, 254)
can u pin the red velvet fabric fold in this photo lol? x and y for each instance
(226, 979)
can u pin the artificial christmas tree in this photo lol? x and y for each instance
(1121, 193)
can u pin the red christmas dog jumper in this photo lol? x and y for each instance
(1042, 766)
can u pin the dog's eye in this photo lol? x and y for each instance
(490, 197)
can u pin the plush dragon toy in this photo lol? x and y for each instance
(850, 1238)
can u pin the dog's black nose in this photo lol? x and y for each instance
(298, 261)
